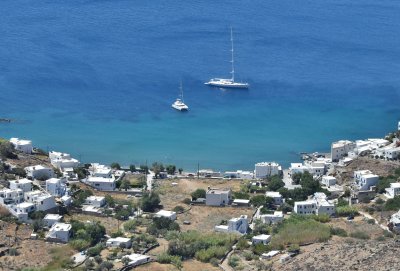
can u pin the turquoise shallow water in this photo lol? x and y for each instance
(97, 78)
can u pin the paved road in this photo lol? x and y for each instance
(78, 258)
(366, 215)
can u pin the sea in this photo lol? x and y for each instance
(96, 78)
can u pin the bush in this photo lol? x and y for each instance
(214, 262)
(388, 234)
(242, 244)
(205, 255)
(178, 209)
(346, 211)
(19, 172)
(241, 195)
(198, 193)
(150, 201)
(294, 248)
(94, 251)
(261, 248)
(131, 225)
(233, 261)
(115, 166)
(379, 201)
(187, 201)
(371, 221)
(165, 258)
(248, 256)
(323, 218)
(300, 230)
(359, 235)
(339, 232)
(79, 244)
(392, 204)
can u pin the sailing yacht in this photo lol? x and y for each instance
(179, 104)
(228, 83)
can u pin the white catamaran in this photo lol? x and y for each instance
(228, 83)
(179, 104)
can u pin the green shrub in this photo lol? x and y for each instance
(198, 193)
(242, 244)
(294, 248)
(79, 244)
(94, 251)
(359, 235)
(233, 261)
(248, 255)
(178, 209)
(300, 229)
(323, 218)
(205, 255)
(346, 211)
(388, 234)
(371, 221)
(380, 238)
(338, 231)
(214, 262)
(261, 248)
(392, 204)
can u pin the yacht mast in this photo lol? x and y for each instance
(232, 62)
(181, 91)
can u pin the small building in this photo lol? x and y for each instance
(56, 187)
(39, 172)
(209, 173)
(235, 225)
(22, 210)
(101, 183)
(364, 179)
(66, 200)
(239, 174)
(42, 201)
(11, 196)
(270, 254)
(392, 153)
(393, 190)
(218, 197)
(22, 145)
(261, 239)
(62, 160)
(50, 219)
(307, 207)
(278, 199)
(137, 259)
(119, 242)
(89, 209)
(168, 214)
(328, 181)
(341, 148)
(274, 218)
(96, 201)
(394, 223)
(97, 170)
(59, 232)
(24, 184)
(317, 205)
(241, 202)
(267, 169)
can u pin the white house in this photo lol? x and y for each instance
(341, 148)
(274, 218)
(395, 221)
(364, 179)
(168, 214)
(235, 225)
(239, 174)
(393, 190)
(392, 153)
(59, 232)
(278, 199)
(218, 197)
(96, 201)
(307, 207)
(328, 180)
(22, 210)
(39, 171)
(317, 205)
(50, 219)
(297, 168)
(119, 242)
(98, 170)
(266, 169)
(24, 184)
(56, 187)
(137, 259)
(101, 183)
(62, 160)
(261, 239)
(42, 201)
(22, 145)
(11, 196)
(66, 200)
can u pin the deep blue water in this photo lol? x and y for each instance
(97, 78)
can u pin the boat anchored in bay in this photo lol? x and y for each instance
(228, 83)
(179, 103)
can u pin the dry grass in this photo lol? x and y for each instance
(110, 223)
(190, 265)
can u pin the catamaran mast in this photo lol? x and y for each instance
(181, 91)
(232, 62)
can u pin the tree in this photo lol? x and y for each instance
(275, 183)
(150, 201)
(125, 184)
(198, 193)
(125, 260)
(157, 168)
(171, 169)
(7, 150)
(258, 200)
(132, 168)
(180, 170)
(296, 177)
(144, 169)
(106, 265)
(115, 165)
(110, 201)
(19, 172)
(308, 183)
